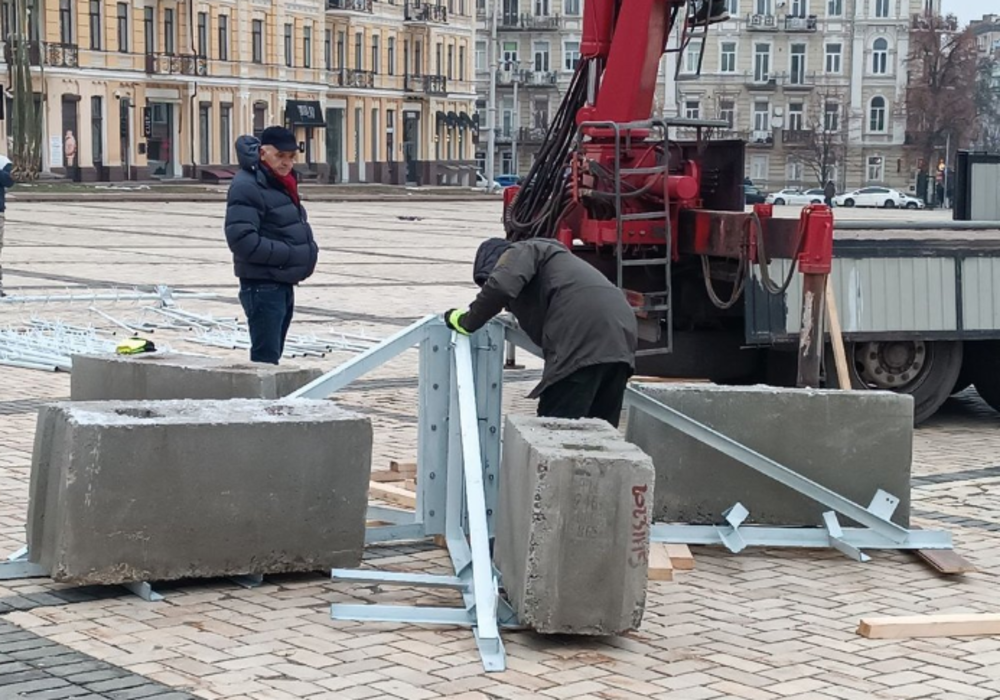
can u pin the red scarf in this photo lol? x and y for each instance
(288, 181)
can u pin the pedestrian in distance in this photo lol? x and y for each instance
(6, 182)
(585, 327)
(829, 192)
(270, 237)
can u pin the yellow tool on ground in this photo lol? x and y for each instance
(135, 346)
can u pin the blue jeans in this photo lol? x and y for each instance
(269, 307)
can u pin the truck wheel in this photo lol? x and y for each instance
(984, 369)
(928, 371)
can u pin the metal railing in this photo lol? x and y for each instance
(62, 55)
(801, 24)
(354, 78)
(762, 23)
(527, 78)
(174, 64)
(426, 12)
(529, 22)
(350, 5)
(531, 134)
(428, 84)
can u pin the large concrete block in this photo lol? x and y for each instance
(853, 443)
(133, 491)
(572, 531)
(163, 376)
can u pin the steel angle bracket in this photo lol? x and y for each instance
(730, 535)
(17, 566)
(837, 541)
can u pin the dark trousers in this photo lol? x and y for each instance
(591, 392)
(269, 307)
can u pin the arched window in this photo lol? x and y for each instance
(876, 121)
(880, 57)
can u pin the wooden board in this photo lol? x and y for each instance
(395, 495)
(406, 469)
(385, 476)
(660, 568)
(680, 556)
(837, 338)
(930, 626)
(947, 561)
(668, 380)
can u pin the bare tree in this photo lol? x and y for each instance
(941, 94)
(988, 104)
(819, 144)
(25, 120)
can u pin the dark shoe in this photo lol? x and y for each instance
(711, 12)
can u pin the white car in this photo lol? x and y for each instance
(911, 202)
(872, 197)
(481, 183)
(796, 197)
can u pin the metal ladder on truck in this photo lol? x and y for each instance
(656, 305)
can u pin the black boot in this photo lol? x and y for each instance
(711, 12)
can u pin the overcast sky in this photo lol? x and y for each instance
(970, 9)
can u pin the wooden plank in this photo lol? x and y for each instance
(385, 476)
(947, 561)
(668, 380)
(407, 469)
(680, 556)
(837, 338)
(660, 568)
(930, 626)
(390, 493)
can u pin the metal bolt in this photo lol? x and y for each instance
(433, 475)
(430, 513)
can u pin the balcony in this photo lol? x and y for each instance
(354, 78)
(172, 64)
(798, 81)
(539, 79)
(761, 83)
(526, 22)
(426, 13)
(760, 138)
(797, 137)
(762, 23)
(529, 134)
(427, 84)
(801, 24)
(349, 6)
(528, 78)
(34, 50)
(62, 55)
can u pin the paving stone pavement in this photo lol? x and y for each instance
(765, 624)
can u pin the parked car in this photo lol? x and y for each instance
(871, 197)
(753, 195)
(796, 197)
(481, 183)
(911, 202)
(507, 180)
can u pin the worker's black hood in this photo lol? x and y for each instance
(486, 259)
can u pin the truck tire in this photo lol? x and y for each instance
(983, 364)
(926, 370)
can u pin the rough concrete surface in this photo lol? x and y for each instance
(135, 491)
(852, 442)
(572, 533)
(162, 376)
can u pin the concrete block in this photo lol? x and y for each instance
(572, 531)
(133, 491)
(852, 442)
(164, 376)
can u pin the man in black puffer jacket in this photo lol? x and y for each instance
(269, 234)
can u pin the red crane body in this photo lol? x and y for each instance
(650, 211)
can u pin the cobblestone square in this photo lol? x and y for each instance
(764, 624)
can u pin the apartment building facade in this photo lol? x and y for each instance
(538, 48)
(813, 86)
(376, 91)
